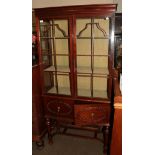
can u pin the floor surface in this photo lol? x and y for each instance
(68, 145)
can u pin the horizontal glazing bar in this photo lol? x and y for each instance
(92, 55)
(94, 75)
(54, 37)
(92, 38)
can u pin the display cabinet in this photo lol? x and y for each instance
(76, 57)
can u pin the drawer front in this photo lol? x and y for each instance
(92, 114)
(58, 108)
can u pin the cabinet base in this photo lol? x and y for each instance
(62, 129)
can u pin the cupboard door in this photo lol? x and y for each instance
(56, 55)
(92, 56)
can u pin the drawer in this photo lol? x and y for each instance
(91, 114)
(57, 108)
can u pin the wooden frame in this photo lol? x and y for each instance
(72, 13)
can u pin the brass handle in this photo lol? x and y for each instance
(58, 109)
(92, 115)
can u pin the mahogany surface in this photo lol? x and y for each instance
(72, 110)
(38, 121)
(116, 143)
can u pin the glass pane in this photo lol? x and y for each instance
(83, 46)
(46, 60)
(62, 61)
(81, 24)
(100, 87)
(63, 84)
(45, 44)
(60, 27)
(101, 46)
(100, 61)
(83, 61)
(103, 24)
(49, 82)
(83, 85)
(61, 46)
(45, 30)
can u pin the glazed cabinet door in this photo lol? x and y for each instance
(93, 56)
(55, 47)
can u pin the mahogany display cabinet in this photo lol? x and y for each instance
(76, 58)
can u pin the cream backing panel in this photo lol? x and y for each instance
(101, 46)
(61, 46)
(83, 61)
(62, 61)
(83, 83)
(101, 62)
(63, 81)
(83, 46)
(99, 83)
(80, 25)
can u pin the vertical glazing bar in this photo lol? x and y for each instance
(50, 46)
(49, 35)
(70, 49)
(75, 76)
(54, 52)
(92, 55)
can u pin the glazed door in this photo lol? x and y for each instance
(55, 41)
(92, 56)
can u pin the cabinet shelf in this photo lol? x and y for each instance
(61, 90)
(64, 69)
(100, 93)
(96, 93)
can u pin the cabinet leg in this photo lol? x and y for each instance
(106, 140)
(49, 130)
(40, 144)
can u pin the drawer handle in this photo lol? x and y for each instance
(92, 115)
(58, 109)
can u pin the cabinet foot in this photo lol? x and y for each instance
(40, 144)
(49, 130)
(105, 140)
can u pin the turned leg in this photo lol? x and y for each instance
(49, 130)
(106, 140)
(40, 144)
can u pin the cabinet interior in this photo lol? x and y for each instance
(91, 68)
